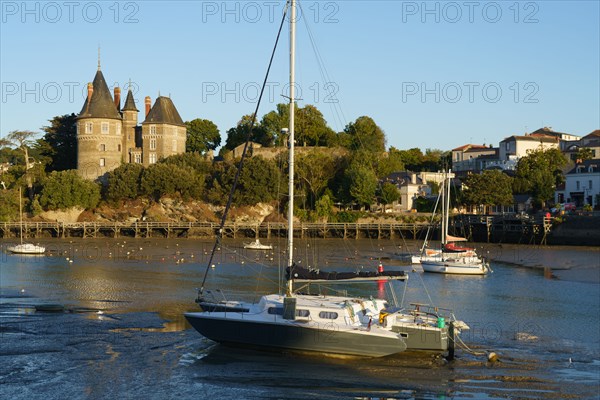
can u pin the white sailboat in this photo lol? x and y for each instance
(257, 245)
(452, 258)
(24, 248)
(339, 325)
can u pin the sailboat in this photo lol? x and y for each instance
(24, 248)
(257, 245)
(316, 323)
(452, 258)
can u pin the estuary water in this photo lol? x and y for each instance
(123, 335)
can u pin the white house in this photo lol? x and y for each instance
(582, 185)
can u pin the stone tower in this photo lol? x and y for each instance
(163, 131)
(99, 131)
(130, 121)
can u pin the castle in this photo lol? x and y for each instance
(108, 135)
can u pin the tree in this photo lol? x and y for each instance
(391, 163)
(491, 187)
(9, 205)
(539, 173)
(238, 134)
(65, 189)
(388, 193)
(202, 135)
(363, 184)
(324, 207)
(260, 181)
(411, 158)
(584, 153)
(366, 135)
(163, 179)
(23, 139)
(314, 170)
(59, 144)
(273, 122)
(124, 182)
(311, 128)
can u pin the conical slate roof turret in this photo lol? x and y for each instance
(101, 104)
(129, 102)
(163, 112)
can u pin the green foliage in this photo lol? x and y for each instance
(324, 207)
(238, 134)
(274, 121)
(366, 135)
(59, 144)
(259, 181)
(539, 173)
(164, 179)
(65, 189)
(311, 128)
(422, 204)
(348, 216)
(584, 153)
(392, 163)
(412, 158)
(388, 193)
(9, 205)
(313, 172)
(123, 182)
(491, 187)
(363, 184)
(202, 135)
(35, 207)
(194, 161)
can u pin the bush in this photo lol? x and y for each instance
(168, 179)
(123, 182)
(66, 189)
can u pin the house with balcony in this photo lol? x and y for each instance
(582, 185)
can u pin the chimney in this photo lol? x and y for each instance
(424, 179)
(148, 104)
(413, 179)
(118, 98)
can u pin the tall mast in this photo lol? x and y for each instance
(21, 213)
(291, 141)
(447, 216)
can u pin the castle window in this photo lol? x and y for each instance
(153, 129)
(105, 127)
(118, 147)
(152, 158)
(102, 162)
(174, 144)
(138, 158)
(118, 128)
(102, 147)
(152, 144)
(88, 127)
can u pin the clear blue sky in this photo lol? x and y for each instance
(431, 74)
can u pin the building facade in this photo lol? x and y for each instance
(109, 136)
(582, 185)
